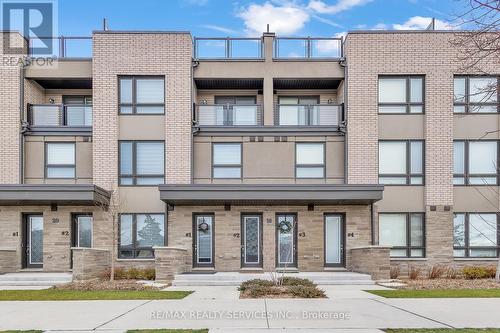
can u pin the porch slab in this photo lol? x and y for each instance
(34, 279)
(236, 278)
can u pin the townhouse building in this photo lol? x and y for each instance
(249, 154)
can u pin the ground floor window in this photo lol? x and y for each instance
(404, 232)
(476, 235)
(82, 230)
(139, 233)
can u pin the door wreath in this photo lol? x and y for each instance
(285, 226)
(203, 227)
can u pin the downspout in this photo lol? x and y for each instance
(372, 224)
(344, 64)
(21, 122)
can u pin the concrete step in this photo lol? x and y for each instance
(235, 278)
(34, 279)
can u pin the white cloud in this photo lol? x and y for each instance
(219, 28)
(421, 23)
(285, 20)
(329, 48)
(341, 5)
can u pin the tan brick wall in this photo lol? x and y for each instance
(165, 54)
(10, 89)
(373, 260)
(170, 261)
(90, 263)
(311, 223)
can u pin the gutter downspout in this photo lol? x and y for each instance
(21, 120)
(372, 224)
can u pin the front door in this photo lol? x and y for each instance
(33, 241)
(203, 240)
(334, 240)
(286, 240)
(251, 240)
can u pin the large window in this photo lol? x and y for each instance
(475, 162)
(401, 94)
(310, 160)
(404, 232)
(226, 160)
(60, 160)
(142, 95)
(142, 162)
(476, 94)
(139, 233)
(475, 235)
(401, 162)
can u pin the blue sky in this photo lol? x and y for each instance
(215, 18)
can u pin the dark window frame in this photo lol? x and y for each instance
(408, 246)
(468, 104)
(467, 246)
(408, 104)
(466, 175)
(134, 248)
(134, 103)
(58, 166)
(310, 165)
(223, 166)
(134, 174)
(408, 175)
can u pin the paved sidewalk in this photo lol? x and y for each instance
(349, 309)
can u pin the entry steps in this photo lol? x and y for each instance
(236, 278)
(38, 279)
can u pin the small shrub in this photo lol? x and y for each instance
(479, 272)
(394, 272)
(452, 273)
(306, 291)
(293, 281)
(255, 283)
(414, 272)
(132, 273)
(435, 272)
(262, 290)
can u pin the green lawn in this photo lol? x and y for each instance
(437, 293)
(167, 331)
(444, 330)
(74, 295)
(13, 331)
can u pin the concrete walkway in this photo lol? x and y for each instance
(349, 309)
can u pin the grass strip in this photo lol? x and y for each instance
(437, 293)
(79, 295)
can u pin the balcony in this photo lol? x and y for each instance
(228, 115)
(294, 48)
(51, 117)
(75, 47)
(330, 115)
(228, 48)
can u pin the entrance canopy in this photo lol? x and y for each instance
(287, 194)
(45, 194)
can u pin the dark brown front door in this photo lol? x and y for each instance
(33, 241)
(286, 240)
(251, 240)
(203, 240)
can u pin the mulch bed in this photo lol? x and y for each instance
(105, 285)
(290, 287)
(427, 284)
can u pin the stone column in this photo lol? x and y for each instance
(170, 261)
(90, 263)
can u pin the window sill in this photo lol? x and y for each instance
(136, 259)
(475, 259)
(408, 259)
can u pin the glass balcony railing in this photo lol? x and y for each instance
(309, 115)
(308, 48)
(61, 47)
(228, 48)
(228, 115)
(54, 115)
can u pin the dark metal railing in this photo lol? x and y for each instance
(308, 47)
(228, 115)
(55, 115)
(61, 47)
(309, 115)
(228, 48)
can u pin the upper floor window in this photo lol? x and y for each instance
(142, 95)
(476, 235)
(475, 162)
(310, 160)
(401, 94)
(60, 160)
(226, 160)
(139, 233)
(404, 232)
(78, 110)
(476, 94)
(401, 162)
(142, 162)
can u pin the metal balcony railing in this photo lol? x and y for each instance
(55, 115)
(228, 48)
(61, 47)
(308, 48)
(308, 115)
(228, 115)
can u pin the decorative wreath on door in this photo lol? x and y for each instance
(285, 226)
(203, 227)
